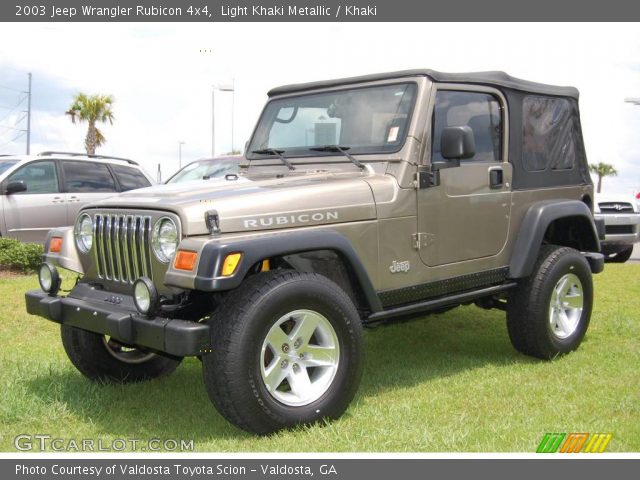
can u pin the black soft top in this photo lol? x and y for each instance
(497, 78)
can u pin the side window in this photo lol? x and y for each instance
(548, 134)
(130, 178)
(39, 177)
(87, 177)
(480, 111)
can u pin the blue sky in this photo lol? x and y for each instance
(162, 75)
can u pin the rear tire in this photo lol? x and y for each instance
(287, 349)
(548, 313)
(102, 359)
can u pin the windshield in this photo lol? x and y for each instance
(6, 164)
(204, 170)
(363, 120)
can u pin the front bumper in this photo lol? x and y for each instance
(180, 338)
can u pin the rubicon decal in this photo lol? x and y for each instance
(574, 442)
(297, 219)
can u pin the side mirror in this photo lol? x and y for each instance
(457, 143)
(16, 187)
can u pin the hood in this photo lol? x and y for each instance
(258, 202)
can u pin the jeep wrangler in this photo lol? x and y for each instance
(358, 201)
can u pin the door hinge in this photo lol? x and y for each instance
(422, 240)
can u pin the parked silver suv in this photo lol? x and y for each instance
(621, 217)
(44, 191)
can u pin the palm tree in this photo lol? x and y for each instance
(602, 170)
(92, 109)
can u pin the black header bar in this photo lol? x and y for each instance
(318, 11)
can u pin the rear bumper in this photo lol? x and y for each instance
(172, 336)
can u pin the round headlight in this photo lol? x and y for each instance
(84, 233)
(164, 239)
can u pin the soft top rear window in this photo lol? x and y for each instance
(549, 134)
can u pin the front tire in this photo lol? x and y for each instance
(548, 313)
(287, 349)
(103, 359)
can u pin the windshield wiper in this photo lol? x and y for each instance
(338, 148)
(277, 153)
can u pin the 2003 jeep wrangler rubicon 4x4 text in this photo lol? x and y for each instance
(358, 200)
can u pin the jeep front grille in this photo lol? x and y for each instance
(121, 250)
(615, 207)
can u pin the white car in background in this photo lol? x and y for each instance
(621, 215)
(206, 169)
(45, 191)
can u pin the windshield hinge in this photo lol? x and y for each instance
(422, 240)
(426, 178)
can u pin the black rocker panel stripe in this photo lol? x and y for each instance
(414, 293)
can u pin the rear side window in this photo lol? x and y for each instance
(549, 134)
(39, 177)
(130, 178)
(480, 111)
(87, 177)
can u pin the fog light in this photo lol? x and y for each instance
(49, 279)
(145, 296)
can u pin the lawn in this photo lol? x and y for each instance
(449, 382)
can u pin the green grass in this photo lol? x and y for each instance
(449, 382)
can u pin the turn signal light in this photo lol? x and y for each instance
(230, 264)
(55, 246)
(185, 260)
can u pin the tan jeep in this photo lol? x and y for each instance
(358, 201)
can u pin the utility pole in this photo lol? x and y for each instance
(29, 116)
(213, 121)
(180, 143)
(233, 105)
(225, 88)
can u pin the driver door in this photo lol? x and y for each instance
(466, 217)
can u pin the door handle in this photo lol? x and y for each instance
(57, 200)
(496, 178)
(73, 199)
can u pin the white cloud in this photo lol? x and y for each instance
(162, 81)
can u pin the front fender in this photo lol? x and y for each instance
(68, 257)
(211, 253)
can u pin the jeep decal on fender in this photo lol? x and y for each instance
(400, 267)
(302, 218)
